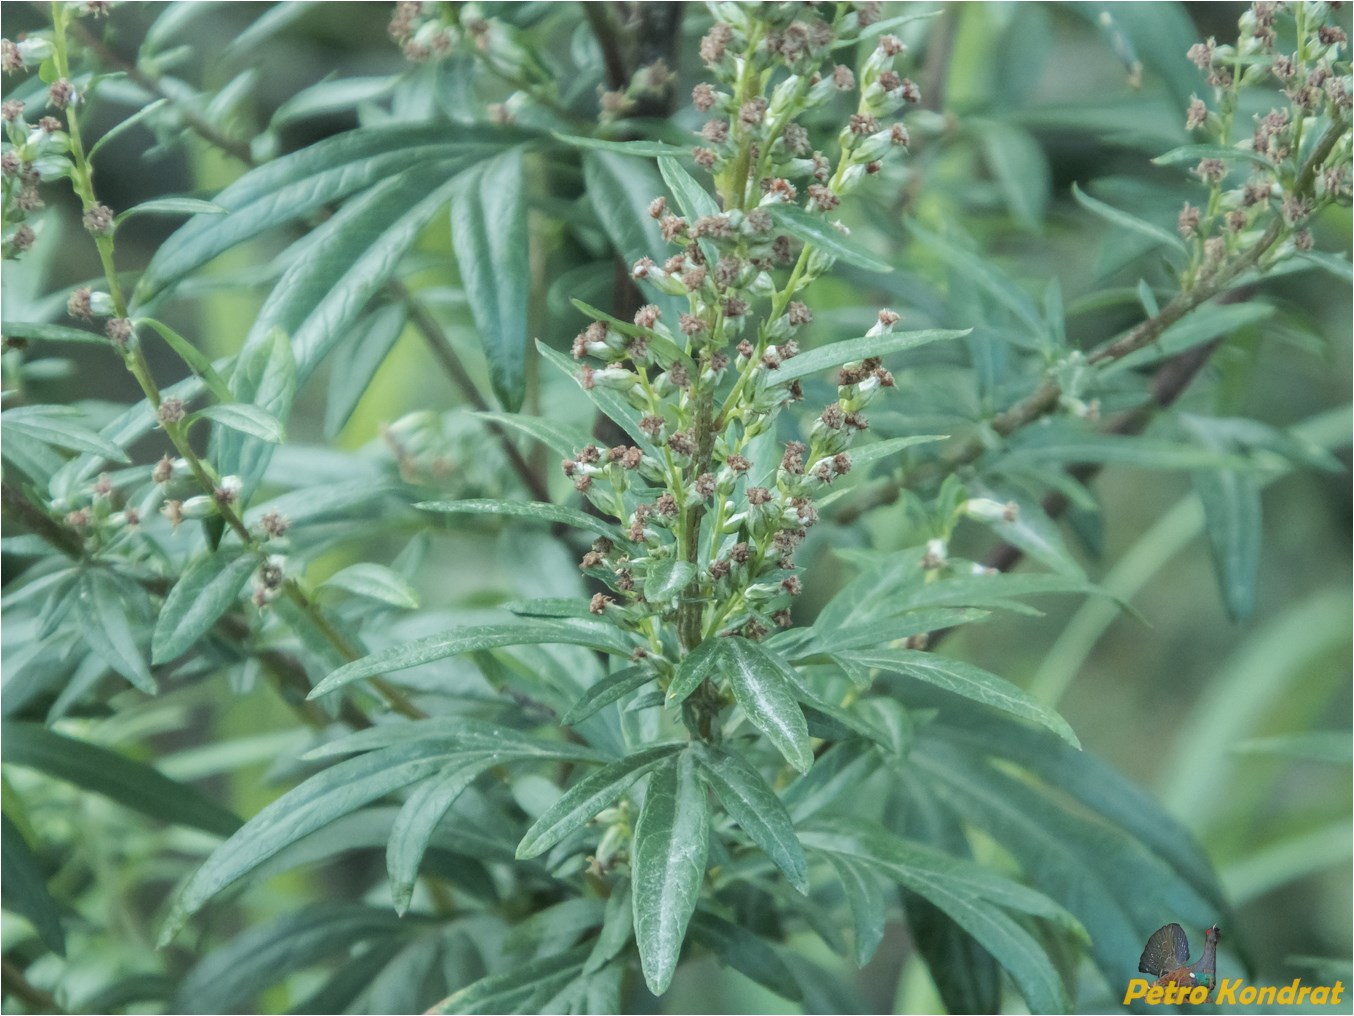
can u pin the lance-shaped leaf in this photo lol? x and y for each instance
(456, 733)
(588, 796)
(767, 697)
(418, 820)
(291, 187)
(246, 419)
(969, 681)
(672, 838)
(102, 601)
(489, 235)
(25, 889)
(695, 667)
(471, 639)
(817, 232)
(747, 952)
(749, 800)
(666, 579)
(970, 894)
(121, 779)
(525, 988)
(375, 582)
(327, 796)
(867, 903)
(541, 511)
(607, 691)
(850, 350)
(203, 593)
(609, 402)
(53, 425)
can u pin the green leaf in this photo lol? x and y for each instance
(419, 817)
(812, 361)
(618, 923)
(264, 376)
(375, 582)
(767, 698)
(693, 200)
(190, 355)
(900, 626)
(459, 734)
(607, 691)
(1021, 170)
(612, 403)
(864, 458)
(1232, 515)
(817, 232)
(966, 892)
(641, 149)
(25, 889)
(114, 776)
(971, 682)
(1195, 153)
(362, 354)
(171, 206)
(538, 510)
(205, 591)
(326, 796)
(1111, 882)
(694, 668)
(981, 272)
(748, 953)
(522, 989)
(340, 95)
(104, 625)
(1209, 322)
(620, 189)
(1125, 221)
(470, 639)
(666, 579)
(289, 188)
(52, 425)
(489, 236)
(867, 904)
(246, 419)
(38, 332)
(667, 863)
(559, 437)
(551, 606)
(229, 978)
(1314, 746)
(1120, 449)
(749, 800)
(588, 796)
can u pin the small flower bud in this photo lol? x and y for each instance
(61, 94)
(171, 410)
(99, 220)
(935, 556)
(119, 330)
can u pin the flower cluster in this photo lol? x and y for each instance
(711, 506)
(31, 154)
(1297, 49)
(754, 144)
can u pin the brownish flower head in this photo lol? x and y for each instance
(61, 93)
(78, 305)
(704, 97)
(99, 220)
(119, 330)
(274, 525)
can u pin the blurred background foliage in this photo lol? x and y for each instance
(1241, 727)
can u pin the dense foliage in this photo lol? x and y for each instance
(664, 642)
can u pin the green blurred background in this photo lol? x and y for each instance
(1171, 699)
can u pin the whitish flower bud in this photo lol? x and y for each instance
(35, 49)
(199, 507)
(935, 556)
(984, 509)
